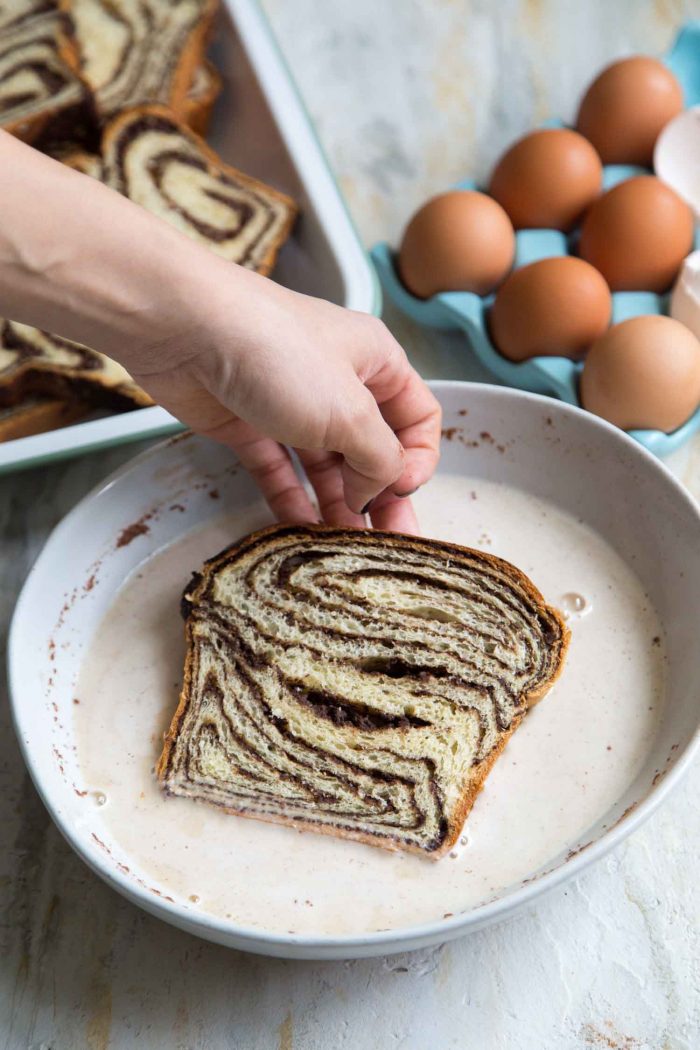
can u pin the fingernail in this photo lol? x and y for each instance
(367, 506)
(405, 495)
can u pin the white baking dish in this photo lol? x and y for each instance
(552, 451)
(260, 125)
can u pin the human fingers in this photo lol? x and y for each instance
(271, 467)
(415, 415)
(373, 457)
(406, 402)
(323, 469)
(395, 514)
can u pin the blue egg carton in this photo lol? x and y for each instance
(467, 312)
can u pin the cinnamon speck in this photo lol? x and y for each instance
(449, 433)
(177, 506)
(463, 412)
(214, 494)
(90, 583)
(656, 640)
(138, 528)
(485, 436)
(75, 700)
(579, 849)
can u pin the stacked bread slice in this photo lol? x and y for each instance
(37, 86)
(38, 415)
(122, 92)
(162, 165)
(132, 52)
(37, 364)
(355, 683)
(203, 93)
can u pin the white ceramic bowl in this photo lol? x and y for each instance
(552, 450)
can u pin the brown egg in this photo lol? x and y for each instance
(625, 108)
(547, 179)
(555, 307)
(643, 373)
(637, 234)
(458, 242)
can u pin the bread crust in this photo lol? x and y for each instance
(477, 775)
(198, 105)
(38, 417)
(114, 129)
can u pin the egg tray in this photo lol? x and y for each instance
(467, 312)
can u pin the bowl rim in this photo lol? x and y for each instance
(340, 946)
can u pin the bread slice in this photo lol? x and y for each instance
(37, 416)
(200, 99)
(36, 364)
(133, 52)
(37, 87)
(82, 161)
(355, 683)
(162, 165)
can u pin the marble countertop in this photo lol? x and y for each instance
(408, 96)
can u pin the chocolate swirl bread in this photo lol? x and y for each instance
(37, 415)
(355, 683)
(36, 364)
(132, 52)
(162, 165)
(85, 163)
(37, 87)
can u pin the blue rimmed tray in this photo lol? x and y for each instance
(557, 376)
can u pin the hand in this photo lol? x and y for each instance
(231, 354)
(268, 368)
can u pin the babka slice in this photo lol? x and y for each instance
(37, 88)
(84, 162)
(200, 99)
(37, 415)
(36, 364)
(131, 52)
(162, 165)
(355, 683)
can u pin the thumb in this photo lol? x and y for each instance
(373, 457)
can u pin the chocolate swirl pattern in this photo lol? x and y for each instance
(36, 85)
(131, 52)
(35, 363)
(355, 683)
(162, 165)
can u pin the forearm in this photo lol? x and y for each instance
(82, 261)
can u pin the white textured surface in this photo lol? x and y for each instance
(408, 95)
